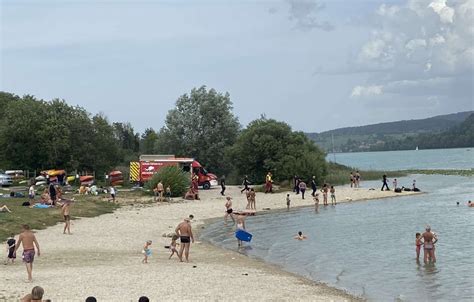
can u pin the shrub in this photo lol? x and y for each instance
(177, 179)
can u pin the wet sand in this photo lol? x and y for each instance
(103, 257)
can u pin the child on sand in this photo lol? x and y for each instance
(11, 249)
(288, 201)
(146, 251)
(173, 246)
(418, 243)
(333, 195)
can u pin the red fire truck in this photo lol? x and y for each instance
(143, 170)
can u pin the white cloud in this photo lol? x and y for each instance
(423, 48)
(306, 15)
(445, 12)
(364, 91)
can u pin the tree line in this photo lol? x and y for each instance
(37, 134)
(460, 136)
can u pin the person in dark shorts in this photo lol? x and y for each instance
(246, 184)
(385, 184)
(228, 210)
(313, 186)
(223, 185)
(11, 249)
(52, 193)
(185, 233)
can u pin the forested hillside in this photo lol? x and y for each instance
(374, 137)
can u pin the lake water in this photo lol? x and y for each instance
(459, 159)
(367, 247)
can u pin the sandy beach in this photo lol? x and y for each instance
(102, 257)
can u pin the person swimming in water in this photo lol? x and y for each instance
(300, 236)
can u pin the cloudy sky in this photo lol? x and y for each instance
(315, 64)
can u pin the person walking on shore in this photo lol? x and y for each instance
(246, 184)
(228, 210)
(28, 240)
(65, 211)
(223, 185)
(302, 186)
(314, 187)
(385, 184)
(185, 233)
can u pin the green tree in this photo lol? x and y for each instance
(148, 141)
(202, 126)
(268, 145)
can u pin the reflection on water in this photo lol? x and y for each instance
(368, 247)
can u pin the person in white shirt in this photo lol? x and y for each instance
(31, 192)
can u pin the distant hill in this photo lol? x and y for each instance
(371, 137)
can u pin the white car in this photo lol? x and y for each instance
(5, 180)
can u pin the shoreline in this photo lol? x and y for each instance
(102, 257)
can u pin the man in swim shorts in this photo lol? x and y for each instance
(28, 240)
(185, 233)
(65, 210)
(228, 210)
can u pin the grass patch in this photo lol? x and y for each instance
(38, 219)
(339, 174)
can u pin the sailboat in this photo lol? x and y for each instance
(416, 148)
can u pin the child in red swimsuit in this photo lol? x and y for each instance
(418, 244)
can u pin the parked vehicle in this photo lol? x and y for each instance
(144, 169)
(5, 180)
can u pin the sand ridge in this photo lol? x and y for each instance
(103, 257)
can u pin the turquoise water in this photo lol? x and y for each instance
(367, 248)
(459, 159)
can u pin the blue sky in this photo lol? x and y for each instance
(317, 65)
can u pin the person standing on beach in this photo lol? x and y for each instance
(252, 197)
(268, 183)
(28, 240)
(333, 195)
(288, 201)
(246, 184)
(325, 190)
(112, 193)
(313, 186)
(31, 193)
(357, 179)
(351, 178)
(160, 189)
(296, 182)
(185, 233)
(11, 255)
(228, 210)
(302, 186)
(52, 193)
(223, 185)
(395, 184)
(385, 184)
